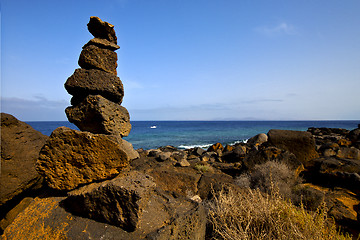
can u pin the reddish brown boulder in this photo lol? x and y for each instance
(98, 115)
(93, 57)
(101, 29)
(71, 158)
(20, 147)
(94, 82)
(302, 144)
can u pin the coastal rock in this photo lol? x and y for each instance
(183, 181)
(93, 57)
(183, 162)
(237, 154)
(354, 137)
(334, 172)
(348, 153)
(302, 144)
(71, 158)
(101, 29)
(231, 169)
(342, 204)
(20, 147)
(102, 43)
(11, 215)
(94, 82)
(215, 147)
(198, 151)
(164, 217)
(119, 201)
(264, 155)
(98, 115)
(127, 148)
(163, 156)
(257, 140)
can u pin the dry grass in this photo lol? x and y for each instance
(263, 176)
(252, 214)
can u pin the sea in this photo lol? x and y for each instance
(190, 134)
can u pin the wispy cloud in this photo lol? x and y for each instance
(38, 108)
(282, 28)
(254, 101)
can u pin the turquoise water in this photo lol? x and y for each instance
(187, 134)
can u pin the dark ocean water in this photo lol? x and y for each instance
(187, 134)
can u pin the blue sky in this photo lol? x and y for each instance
(190, 59)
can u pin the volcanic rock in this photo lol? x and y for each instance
(354, 136)
(257, 140)
(302, 144)
(348, 153)
(20, 147)
(11, 215)
(94, 82)
(96, 114)
(119, 201)
(264, 155)
(333, 172)
(237, 154)
(215, 147)
(165, 217)
(101, 29)
(71, 158)
(93, 57)
(102, 43)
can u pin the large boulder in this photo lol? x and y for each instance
(164, 217)
(302, 144)
(342, 204)
(94, 82)
(98, 115)
(348, 153)
(334, 172)
(119, 201)
(93, 57)
(101, 29)
(20, 147)
(71, 158)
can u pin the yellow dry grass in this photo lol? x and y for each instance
(251, 214)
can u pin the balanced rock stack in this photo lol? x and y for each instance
(71, 158)
(97, 91)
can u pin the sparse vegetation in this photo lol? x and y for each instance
(268, 175)
(252, 214)
(202, 168)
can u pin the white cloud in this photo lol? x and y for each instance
(277, 30)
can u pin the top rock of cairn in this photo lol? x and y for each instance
(101, 29)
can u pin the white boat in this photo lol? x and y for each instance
(153, 127)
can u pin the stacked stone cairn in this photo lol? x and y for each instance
(72, 158)
(97, 91)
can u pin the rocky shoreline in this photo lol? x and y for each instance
(160, 194)
(92, 184)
